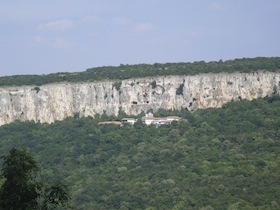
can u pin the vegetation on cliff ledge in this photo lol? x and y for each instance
(145, 70)
(224, 158)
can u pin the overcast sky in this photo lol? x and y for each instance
(47, 36)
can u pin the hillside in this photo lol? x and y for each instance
(225, 158)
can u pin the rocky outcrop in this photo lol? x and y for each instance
(52, 102)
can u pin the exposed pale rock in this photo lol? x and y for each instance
(52, 102)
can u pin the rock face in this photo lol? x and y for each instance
(52, 102)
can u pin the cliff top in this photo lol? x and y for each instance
(122, 72)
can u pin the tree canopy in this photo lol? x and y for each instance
(225, 158)
(18, 190)
(147, 70)
(21, 188)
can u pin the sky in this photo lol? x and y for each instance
(43, 37)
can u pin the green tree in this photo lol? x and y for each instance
(21, 188)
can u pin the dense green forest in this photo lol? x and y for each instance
(143, 70)
(225, 158)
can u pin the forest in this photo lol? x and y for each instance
(147, 70)
(225, 158)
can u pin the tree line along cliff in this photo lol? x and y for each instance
(245, 65)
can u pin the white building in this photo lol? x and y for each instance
(129, 120)
(150, 119)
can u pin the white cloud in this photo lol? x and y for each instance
(216, 7)
(58, 25)
(144, 27)
(90, 19)
(58, 43)
(121, 21)
(196, 33)
(39, 39)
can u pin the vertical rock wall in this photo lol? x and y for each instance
(52, 102)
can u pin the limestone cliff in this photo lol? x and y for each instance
(52, 102)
